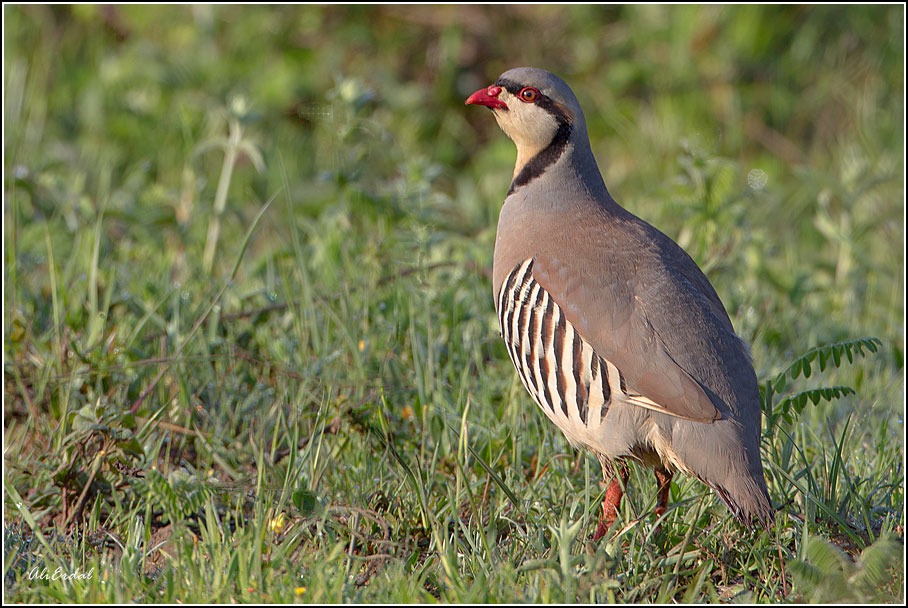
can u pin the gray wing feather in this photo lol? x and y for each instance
(664, 335)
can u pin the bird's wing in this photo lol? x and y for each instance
(650, 332)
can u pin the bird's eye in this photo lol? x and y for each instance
(529, 94)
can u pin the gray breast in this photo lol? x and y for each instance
(572, 385)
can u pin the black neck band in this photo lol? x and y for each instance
(544, 159)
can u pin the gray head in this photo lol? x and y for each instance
(531, 105)
(540, 113)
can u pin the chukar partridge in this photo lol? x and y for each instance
(615, 332)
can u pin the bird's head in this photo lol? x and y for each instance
(534, 108)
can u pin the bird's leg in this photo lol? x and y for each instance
(612, 495)
(664, 477)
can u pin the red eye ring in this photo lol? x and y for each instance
(529, 94)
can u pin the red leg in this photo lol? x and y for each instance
(612, 498)
(664, 477)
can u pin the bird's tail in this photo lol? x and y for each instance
(748, 500)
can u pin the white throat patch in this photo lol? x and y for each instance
(530, 127)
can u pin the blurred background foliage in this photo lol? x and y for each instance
(767, 140)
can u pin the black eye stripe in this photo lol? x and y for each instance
(510, 86)
(543, 101)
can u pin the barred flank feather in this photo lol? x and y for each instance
(566, 378)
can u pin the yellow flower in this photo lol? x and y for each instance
(278, 523)
(407, 413)
(299, 590)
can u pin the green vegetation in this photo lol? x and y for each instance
(250, 351)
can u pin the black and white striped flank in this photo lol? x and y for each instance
(571, 383)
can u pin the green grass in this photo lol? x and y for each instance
(250, 351)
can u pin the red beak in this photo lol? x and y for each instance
(487, 97)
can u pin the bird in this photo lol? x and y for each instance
(614, 330)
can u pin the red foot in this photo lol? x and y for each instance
(610, 504)
(601, 529)
(664, 477)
